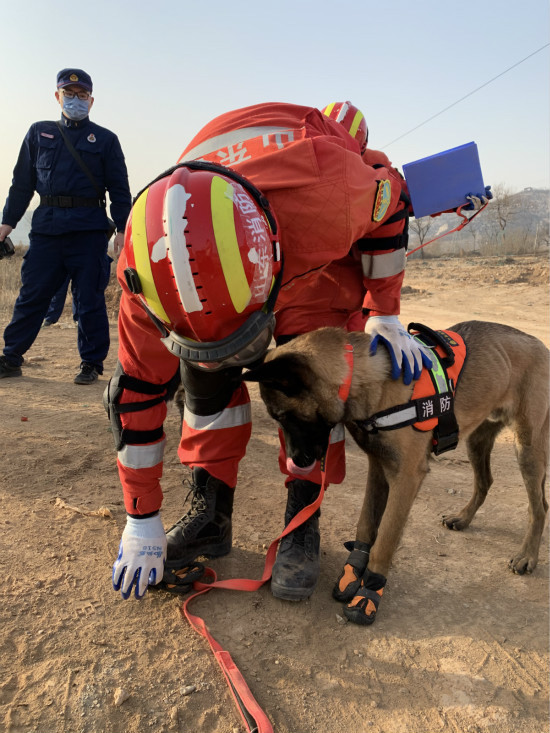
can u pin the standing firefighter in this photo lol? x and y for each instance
(219, 250)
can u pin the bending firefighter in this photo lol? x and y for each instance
(222, 253)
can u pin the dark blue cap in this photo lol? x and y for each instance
(74, 76)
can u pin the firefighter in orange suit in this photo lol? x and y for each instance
(221, 253)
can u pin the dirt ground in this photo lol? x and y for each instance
(460, 644)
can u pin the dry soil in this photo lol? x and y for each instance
(460, 644)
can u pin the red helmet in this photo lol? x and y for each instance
(352, 119)
(204, 259)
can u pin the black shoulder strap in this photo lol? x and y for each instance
(81, 163)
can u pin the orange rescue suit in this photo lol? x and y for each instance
(325, 197)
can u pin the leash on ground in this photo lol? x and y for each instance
(255, 719)
(462, 224)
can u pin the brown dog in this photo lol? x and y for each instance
(505, 382)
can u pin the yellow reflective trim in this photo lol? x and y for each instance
(439, 375)
(356, 122)
(141, 256)
(328, 109)
(438, 372)
(223, 222)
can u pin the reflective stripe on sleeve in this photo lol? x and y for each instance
(142, 456)
(229, 418)
(383, 265)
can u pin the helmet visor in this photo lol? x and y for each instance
(249, 354)
(246, 345)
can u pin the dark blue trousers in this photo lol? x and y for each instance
(57, 303)
(50, 260)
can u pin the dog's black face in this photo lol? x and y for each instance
(306, 441)
(286, 387)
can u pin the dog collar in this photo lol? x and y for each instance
(343, 392)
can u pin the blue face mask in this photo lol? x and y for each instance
(75, 109)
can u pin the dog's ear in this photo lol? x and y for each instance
(285, 373)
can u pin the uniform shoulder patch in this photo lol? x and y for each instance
(382, 200)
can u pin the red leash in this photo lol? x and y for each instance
(255, 719)
(456, 229)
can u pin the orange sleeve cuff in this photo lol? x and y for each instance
(141, 488)
(383, 297)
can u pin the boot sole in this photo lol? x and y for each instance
(290, 594)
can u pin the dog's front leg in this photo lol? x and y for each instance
(403, 488)
(374, 502)
(402, 493)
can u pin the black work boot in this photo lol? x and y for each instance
(296, 569)
(205, 529)
(7, 369)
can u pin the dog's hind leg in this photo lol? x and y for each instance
(479, 446)
(532, 459)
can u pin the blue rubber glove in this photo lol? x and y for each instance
(478, 200)
(141, 556)
(407, 355)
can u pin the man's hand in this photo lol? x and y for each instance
(478, 200)
(406, 353)
(5, 231)
(118, 243)
(141, 556)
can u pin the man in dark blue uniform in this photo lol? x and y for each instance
(69, 230)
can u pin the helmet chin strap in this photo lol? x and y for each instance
(164, 332)
(168, 338)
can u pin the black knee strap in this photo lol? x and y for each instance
(111, 401)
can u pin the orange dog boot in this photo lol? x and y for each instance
(349, 581)
(363, 607)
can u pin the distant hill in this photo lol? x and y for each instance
(511, 224)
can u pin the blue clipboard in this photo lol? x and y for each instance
(442, 181)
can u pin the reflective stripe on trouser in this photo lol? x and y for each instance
(136, 481)
(138, 465)
(383, 265)
(142, 456)
(218, 442)
(336, 469)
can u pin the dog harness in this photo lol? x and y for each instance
(431, 406)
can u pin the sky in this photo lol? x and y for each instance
(162, 70)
